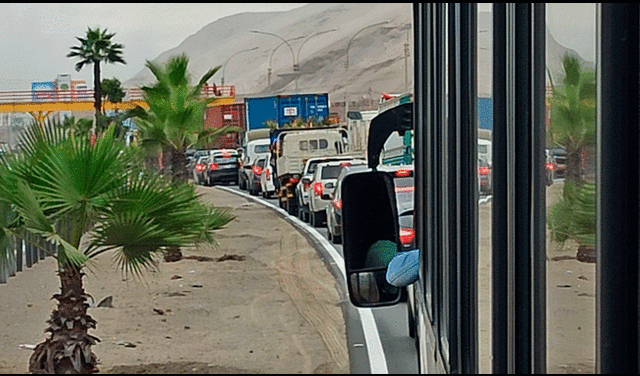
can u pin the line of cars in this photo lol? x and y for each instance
(215, 166)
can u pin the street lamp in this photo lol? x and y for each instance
(305, 41)
(293, 57)
(346, 67)
(271, 58)
(225, 63)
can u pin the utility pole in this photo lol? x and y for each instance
(406, 65)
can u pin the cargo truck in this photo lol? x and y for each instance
(290, 149)
(282, 109)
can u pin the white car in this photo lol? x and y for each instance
(266, 179)
(253, 150)
(322, 186)
(302, 191)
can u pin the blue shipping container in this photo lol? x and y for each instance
(485, 113)
(282, 109)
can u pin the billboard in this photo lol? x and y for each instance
(63, 84)
(43, 91)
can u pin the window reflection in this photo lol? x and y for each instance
(570, 198)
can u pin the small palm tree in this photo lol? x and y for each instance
(175, 121)
(96, 47)
(573, 115)
(106, 203)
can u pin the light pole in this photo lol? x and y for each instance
(225, 63)
(306, 40)
(271, 58)
(293, 56)
(346, 67)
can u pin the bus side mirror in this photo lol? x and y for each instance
(370, 237)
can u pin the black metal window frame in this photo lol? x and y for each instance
(446, 180)
(446, 196)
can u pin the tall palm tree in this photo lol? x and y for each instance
(573, 115)
(175, 121)
(96, 47)
(106, 203)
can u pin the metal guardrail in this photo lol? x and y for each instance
(43, 96)
(23, 253)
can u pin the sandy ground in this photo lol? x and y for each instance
(275, 311)
(570, 301)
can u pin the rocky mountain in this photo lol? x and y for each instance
(375, 39)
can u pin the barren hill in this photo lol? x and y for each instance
(322, 35)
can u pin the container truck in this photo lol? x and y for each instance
(224, 115)
(282, 109)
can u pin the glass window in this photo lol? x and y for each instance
(304, 145)
(323, 144)
(313, 144)
(330, 172)
(221, 159)
(571, 128)
(261, 149)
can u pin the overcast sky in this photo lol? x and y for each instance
(35, 38)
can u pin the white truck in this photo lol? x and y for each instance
(291, 147)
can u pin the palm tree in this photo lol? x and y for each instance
(106, 203)
(573, 115)
(94, 48)
(175, 121)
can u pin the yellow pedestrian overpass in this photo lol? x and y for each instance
(41, 103)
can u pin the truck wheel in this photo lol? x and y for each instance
(292, 206)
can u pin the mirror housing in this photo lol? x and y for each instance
(399, 118)
(370, 237)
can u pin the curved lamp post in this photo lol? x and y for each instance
(271, 58)
(346, 99)
(306, 40)
(293, 56)
(225, 63)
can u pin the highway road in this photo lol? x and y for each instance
(378, 338)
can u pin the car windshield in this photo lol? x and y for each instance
(330, 172)
(260, 162)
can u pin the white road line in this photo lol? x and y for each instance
(377, 359)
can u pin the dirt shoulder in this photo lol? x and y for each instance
(271, 307)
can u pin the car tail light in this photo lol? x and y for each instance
(213, 166)
(408, 189)
(294, 180)
(337, 203)
(407, 235)
(403, 173)
(484, 170)
(267, 174)
(550, 166)
(200, 167)
(257, 170)
(344, 164)
(317, 188)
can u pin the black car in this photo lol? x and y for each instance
(222, 167)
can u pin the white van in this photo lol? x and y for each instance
(250, 152)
